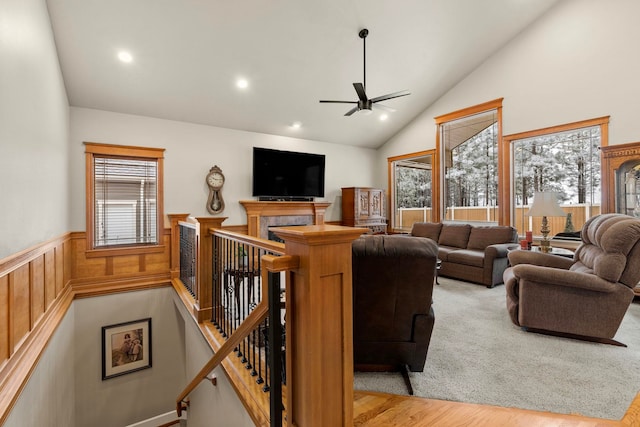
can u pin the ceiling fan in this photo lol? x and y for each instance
(363, 102)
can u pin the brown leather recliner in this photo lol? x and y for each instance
(393, 319)
(586, 297)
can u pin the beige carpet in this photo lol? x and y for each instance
(477, 355)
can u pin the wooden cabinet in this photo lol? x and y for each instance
(621, 181)
(621, 178)
(364, 207)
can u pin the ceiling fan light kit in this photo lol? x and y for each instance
(364, 103)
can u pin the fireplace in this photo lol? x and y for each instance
(267, 223)
(262, 215)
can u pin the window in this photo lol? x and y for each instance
(564, 159)
(124, 196)
(468, 142)
(411, 180)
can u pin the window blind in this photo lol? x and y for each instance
(125, 197)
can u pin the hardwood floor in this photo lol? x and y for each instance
(379, 409)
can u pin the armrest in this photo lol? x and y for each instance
(538, 258)
(499, 250)
(560, 277)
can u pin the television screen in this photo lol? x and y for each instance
(287, 175)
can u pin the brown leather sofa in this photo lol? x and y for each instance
(393, 319)
(472, 253)
(585, 297)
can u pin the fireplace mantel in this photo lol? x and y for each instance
(257, 209)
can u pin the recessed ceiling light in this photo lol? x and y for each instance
(384, 117)
(242, 83)
(125, 56)
(296, 125)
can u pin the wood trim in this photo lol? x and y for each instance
(174, 261)
(469, 111)
(12, 262)
(123, 150)
(391, 186)
(122, 251)
(134, 152)
(17, 370)
(599, 121)
(438, 209)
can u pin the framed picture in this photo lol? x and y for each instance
(126, 348)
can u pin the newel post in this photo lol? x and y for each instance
(319, 325)
(204, 262)
(174, 220)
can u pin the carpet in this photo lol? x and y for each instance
(477, 355)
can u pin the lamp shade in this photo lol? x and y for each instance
(545, 203)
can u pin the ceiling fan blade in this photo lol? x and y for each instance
(391, 96)
(340, 102)
(360, 91)
(353, 110)
(384, 107)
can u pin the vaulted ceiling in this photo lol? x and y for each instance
(188, 54)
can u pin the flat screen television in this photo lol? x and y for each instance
(287, 175)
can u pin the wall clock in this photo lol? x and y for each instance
(215, 181)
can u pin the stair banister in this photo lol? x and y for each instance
(271, 264)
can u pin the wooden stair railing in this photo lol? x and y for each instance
(270, 264)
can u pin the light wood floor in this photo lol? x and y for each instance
(379, 409)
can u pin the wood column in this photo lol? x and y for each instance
(204, 262)
(319, 325)
(174, 262)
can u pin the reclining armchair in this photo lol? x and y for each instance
(584, 298)
(393, 319)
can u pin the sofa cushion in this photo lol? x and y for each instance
(467, 257)
(483, 236)
(429, 230)
(456, 235)
(444, 251)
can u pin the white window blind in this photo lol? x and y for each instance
(125, 197)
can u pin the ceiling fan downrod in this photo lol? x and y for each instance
(363, 35)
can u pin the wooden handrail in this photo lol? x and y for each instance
(271, 263)
(267, 245)
(249, 324)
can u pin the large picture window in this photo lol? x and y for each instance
(124, 195)
(564, 159)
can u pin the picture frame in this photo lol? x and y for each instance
(126, 348)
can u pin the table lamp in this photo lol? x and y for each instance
(545, 204)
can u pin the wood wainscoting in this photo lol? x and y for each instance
(38, 285)
(34, 295)
(119, 269)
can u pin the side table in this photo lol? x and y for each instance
(556, 251)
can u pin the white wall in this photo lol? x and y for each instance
(207, 403)
(139, 395)
(66, 388)
(34, 129)
(191, 150)
(577, 62)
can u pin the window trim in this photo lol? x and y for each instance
(93, 149)
(438, 184)
(391, 181)
(505, 180)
